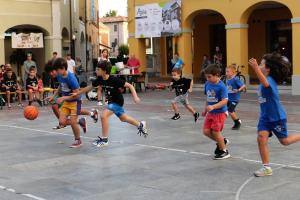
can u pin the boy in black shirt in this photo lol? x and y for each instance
(32, 87)
(9, 84)
(112, 87)
(182, 86)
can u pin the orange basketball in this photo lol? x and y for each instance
(31, 112)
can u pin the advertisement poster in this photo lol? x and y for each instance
(27, 40)
(157, 20)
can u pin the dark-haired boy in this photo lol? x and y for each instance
(112, 87)
(182, 87)
(215, 110)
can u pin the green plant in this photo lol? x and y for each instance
(123, 50)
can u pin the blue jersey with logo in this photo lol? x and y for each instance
(178, 64)
(271, 109)
(216, 93)
(232, 85)
(68, 84)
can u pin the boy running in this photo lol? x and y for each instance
(234, 87)
(52, 71)
(215, 110)
(273, 69)
(71, 105)
(182, 87)
(112, 87)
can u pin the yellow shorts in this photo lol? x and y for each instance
(71, 108)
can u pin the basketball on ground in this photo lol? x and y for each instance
(31, 112)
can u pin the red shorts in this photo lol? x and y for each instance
(215, 121)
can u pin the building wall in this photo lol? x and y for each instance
(239, 33)
(121, 34)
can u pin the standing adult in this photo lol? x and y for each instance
(28, 63)
(104, 57)
(218, 59)
(54, 55)
(71, 64)
(133, 64)
(205, 63)
(177, 62)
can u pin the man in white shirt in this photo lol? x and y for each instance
(71, 64)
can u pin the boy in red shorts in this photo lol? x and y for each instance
(215, 110)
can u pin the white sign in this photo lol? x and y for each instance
(158, 19)
(27, 40)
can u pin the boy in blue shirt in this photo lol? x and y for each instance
(273, 69)
(215, 110)
(234, 87)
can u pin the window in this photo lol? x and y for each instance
(115, 27)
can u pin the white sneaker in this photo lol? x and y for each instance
(264, 171)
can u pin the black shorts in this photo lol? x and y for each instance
(231, 106)
(11, 89)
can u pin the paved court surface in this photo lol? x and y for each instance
(175, 162)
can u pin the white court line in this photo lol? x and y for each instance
(205, 154)
(158, 147)
(238, 193)
(18, 193)
(51, 132)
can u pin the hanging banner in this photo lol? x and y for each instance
(158, 19)
(27, 40)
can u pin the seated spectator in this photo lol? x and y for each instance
(9, 85)
(32, 87)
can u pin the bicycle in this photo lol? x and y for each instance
(239, 75)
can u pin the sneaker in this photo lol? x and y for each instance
(99, 103)
(142, 129)
(40, 102)
(9, 106)
(196, 116)
(217, 150)
(76, 144)
(222, 155)
(95, 115)
(99, 142)
(58, 127)
(20, 105)
(237, 125)
(264, 171)
(83, 124)
(176, 116)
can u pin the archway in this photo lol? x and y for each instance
(65, 41)
(16, 55)
(270, 30)
(208, 32)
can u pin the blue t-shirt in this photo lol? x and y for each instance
(271, 109)
(216, 93)
(234, 84)
(178, 63)
(68, 85)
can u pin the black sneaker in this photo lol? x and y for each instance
(222, 155)
(142, 129)
(83, 124)
(40, 103)
(237, 125)
(217, 150)
(196, 116)
(176, 116)
(95, 115)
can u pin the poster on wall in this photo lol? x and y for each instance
(27, 40)
(158, 19)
